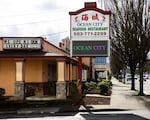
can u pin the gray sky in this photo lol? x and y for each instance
(47, 18)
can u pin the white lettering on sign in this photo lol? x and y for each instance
(22, 43)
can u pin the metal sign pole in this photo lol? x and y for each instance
(80, 77)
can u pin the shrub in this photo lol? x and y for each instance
(88, 86)
(103, 87)
(73, 91)
(108, 82)
(2, 91)
(109, 75)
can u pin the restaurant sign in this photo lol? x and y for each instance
(90, 25)
(90, 48)
(22, 43)
(89, 31)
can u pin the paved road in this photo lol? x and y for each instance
(146, 85)
(116, 115)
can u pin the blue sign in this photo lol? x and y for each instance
(100, 60)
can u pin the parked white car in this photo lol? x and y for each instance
(128, 77)
(146, 77)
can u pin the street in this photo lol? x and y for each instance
(145, 83)
(146, 86)
(112, 115)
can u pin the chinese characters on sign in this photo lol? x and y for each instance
(89, 31)
(90, 24)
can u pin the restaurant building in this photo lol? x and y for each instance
(31, 66)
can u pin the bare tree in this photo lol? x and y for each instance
(131, 34)
(117, 64)
(143, 23)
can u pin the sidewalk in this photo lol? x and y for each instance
(122, 98)
(125, 98)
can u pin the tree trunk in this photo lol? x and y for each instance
(133, 82)
(132, 69)
(141, 80)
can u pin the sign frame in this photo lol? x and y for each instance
(87, 17)
(88, 47)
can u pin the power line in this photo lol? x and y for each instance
(36, 13)
(47, 21)
(55, 33)
(49, 34)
